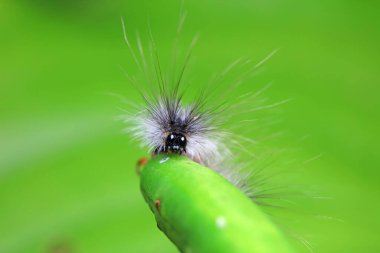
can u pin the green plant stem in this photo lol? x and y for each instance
(201, 212)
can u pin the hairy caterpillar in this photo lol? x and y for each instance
(167, 125)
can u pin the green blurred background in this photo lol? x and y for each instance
(67, 180)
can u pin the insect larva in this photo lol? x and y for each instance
(207, 128)
(166, 124)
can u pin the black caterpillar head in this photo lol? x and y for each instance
(175, 143)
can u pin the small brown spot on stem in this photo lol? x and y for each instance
(157, 204)
(140, 164)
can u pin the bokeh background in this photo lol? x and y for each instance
(67, 180)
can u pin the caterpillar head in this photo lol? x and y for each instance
(175, 143)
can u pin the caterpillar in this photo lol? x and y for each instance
(167, 125)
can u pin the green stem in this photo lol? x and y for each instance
(201, 212)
